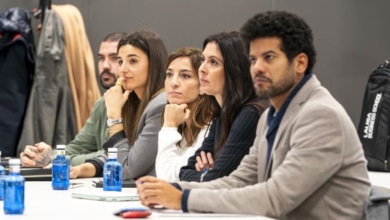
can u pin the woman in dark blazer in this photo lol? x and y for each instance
(224, 74)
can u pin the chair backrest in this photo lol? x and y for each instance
(377, 205)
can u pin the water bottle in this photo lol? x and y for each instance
(2, 176)
(112, 172)
(14, 189)
(60, 170)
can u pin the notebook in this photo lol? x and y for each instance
(108, 196)
(4, 161)
(35, 173)
(29, 173)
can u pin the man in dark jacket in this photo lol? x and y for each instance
(17, 61)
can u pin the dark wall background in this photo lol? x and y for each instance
(352, 36)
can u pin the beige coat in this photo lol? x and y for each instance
(318, 169)
(80, 63)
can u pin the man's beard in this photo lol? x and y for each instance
(106, 84)
(278, 89)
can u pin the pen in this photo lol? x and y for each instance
(76, 185)
(205, 171)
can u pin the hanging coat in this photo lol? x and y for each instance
(80, 62)
(50, 114)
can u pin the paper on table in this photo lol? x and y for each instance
(108, 196)
(176, 213)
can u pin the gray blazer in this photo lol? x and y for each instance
(317, 167)
(138, 159)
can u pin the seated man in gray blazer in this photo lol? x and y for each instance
(306, 162)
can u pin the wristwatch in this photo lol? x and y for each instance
(111, 122)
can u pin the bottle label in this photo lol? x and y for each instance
(14, 168)
(63, 174)
(112, 176)
(112, 155)
(60, 152)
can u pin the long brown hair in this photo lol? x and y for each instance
(204, 105)
(152, 45)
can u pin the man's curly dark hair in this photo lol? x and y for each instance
(295, 34)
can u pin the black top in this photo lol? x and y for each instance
(241, 137)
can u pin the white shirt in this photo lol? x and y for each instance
(170, 158)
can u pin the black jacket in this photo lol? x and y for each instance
(17, 64)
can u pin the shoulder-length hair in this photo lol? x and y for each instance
(204, 106)
(152, 45)
(238, 90)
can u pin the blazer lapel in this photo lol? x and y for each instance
(261, 145)
(288, 118)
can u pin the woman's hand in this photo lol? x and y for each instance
(204, 161)
(175, 114)
(82, 170)
(74, 172)
(115, 98)
(153, 191)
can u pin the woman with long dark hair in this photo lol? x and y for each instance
(225, 75)
(134, 107)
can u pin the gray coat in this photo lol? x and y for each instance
(138, 159)
(50, 113)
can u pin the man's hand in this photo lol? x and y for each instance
(204, 161)
(153, 191)
(38, 155)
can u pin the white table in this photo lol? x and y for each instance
(380, 179)
(43, 203)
